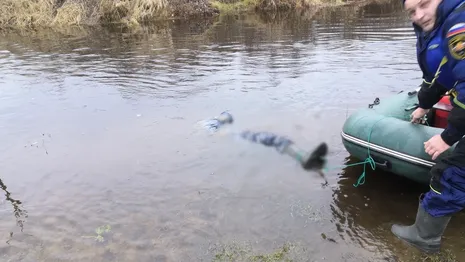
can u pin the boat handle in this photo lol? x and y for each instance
(415, 106)
(376, 102)
(385, 164)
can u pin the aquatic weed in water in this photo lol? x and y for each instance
(100, 231)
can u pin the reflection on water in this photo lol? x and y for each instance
(365, 214)
(100, 130)
(18, 211)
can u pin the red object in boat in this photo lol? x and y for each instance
(442, 109)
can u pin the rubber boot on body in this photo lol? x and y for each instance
(426, 233)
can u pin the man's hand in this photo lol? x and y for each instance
(418, 114)
(435, 146)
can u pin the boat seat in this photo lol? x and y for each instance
(443, 104)
(441, 112)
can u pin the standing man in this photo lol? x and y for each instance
(439, 26)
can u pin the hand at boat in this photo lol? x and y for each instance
(435, 146)
(418, 114)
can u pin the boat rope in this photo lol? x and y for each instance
(369, 160)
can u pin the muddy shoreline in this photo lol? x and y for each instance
(37, 14)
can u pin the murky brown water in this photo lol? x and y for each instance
(101, 130)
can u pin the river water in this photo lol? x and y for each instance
(102, 129)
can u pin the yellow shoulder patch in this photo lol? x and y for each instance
(456, 45)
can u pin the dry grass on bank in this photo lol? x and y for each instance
(33, 14)
(24, 13)
(69, 14)
(271, 5)
(30, 14)
(234, 6)
(132, 11)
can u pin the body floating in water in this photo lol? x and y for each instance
(310, 161)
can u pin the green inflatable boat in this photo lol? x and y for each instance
(383, 134)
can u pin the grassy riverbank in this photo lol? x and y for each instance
(271, 5)
(33, 14)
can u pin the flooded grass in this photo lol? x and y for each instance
(243, 252)
(100, 231)
(288, 252)
(443, 256)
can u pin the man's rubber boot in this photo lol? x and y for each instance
(426, 233)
